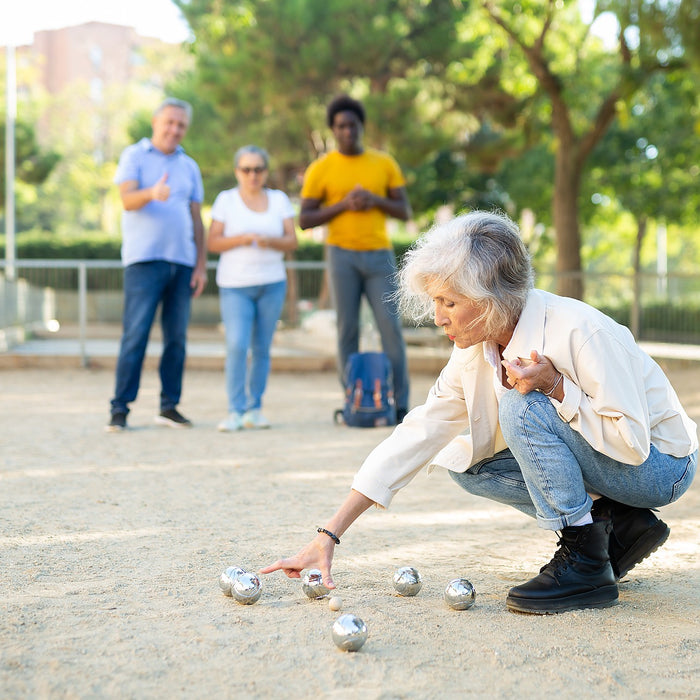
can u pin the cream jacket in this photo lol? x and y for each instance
(615, 396)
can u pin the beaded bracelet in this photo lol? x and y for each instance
(555, 385)
(335, 538)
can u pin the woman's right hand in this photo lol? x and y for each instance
(318, 554)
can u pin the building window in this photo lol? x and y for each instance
(96, 89)
(96, 57)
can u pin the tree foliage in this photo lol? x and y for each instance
(516, 104)
(484, 103)
(554, 76)
(69, 141)
(267, 69)
(33, 164)
(649, 160)
(651, 172)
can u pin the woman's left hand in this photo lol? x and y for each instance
(534, 374)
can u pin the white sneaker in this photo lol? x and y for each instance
(254, 419)
(232, 422)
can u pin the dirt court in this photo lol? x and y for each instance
(112, 546)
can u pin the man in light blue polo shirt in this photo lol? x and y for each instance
(163, 255)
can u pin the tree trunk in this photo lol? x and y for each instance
(567, 179)
(636, 311)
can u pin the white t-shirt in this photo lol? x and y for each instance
(246, 266)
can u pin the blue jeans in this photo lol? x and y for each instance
(549, 469)
(146, 285)
(372, 273)
(250, 316)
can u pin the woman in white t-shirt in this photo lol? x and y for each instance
(252, 227)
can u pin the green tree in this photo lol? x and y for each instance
(267, 69)
(555, 83)
(650, 171)
(649, 160)
(78, 192)
(479, 100)
(33, 164)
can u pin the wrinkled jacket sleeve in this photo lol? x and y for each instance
(415, 441)
(606, 402)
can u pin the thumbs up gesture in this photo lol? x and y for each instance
(161, 191)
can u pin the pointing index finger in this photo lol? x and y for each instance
(290, 568)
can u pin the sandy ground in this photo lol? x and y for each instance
(112, 545)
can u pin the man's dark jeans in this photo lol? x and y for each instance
(146, 285)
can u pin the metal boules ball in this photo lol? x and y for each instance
(407, 581)
(312, 584)
(228, 577)
(225, 583)
(246, 588)
(460, 594)
(349, 632)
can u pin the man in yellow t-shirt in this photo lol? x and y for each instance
(352, 190)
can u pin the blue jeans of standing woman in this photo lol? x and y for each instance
(549, 470)
(250, 316)
(146, 285)
(372, 273)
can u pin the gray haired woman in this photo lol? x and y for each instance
(546, 405)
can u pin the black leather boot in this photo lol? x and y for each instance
(636, 533)
(579, 575)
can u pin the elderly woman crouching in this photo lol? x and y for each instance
(546, 405)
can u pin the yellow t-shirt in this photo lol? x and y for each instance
(332, 176)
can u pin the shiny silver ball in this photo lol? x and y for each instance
(349, 632)
(246, 588)
(312, 585)
(407, 581)
(460, 594)
(228, 577)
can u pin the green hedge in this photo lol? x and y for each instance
(662, 321)
(35, 245)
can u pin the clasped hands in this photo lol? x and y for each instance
(256, 240)
(536, 373)
(359, 199)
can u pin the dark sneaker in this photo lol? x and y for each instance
(117, 423)
(636, 533)
(172, 418)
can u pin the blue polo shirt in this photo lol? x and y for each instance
(160, 230)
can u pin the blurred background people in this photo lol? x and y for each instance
(252, 228)
(163, 255)
(352, 190)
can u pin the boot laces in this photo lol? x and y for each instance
(561, 557)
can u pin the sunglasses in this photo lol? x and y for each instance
(257, 170)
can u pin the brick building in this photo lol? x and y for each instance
(95, 74)
(96, 53)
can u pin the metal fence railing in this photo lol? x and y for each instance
(51, 294)
(78, 293)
